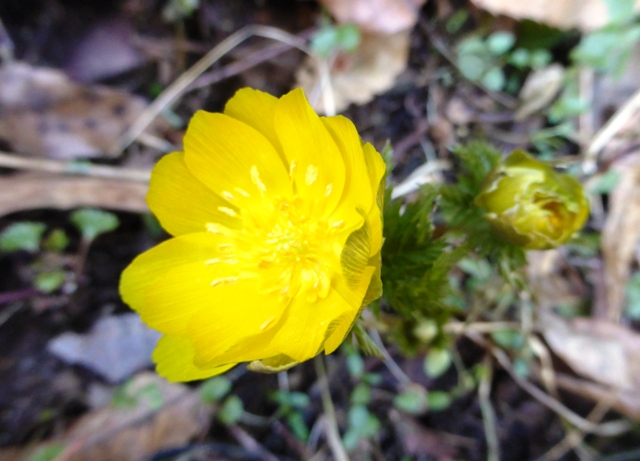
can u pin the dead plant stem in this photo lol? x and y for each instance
(9, 160)
(486, 408)
(611, 428)
(608, 131)
(333, 434)
(182, 83)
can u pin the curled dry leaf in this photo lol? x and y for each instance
(601, 350)
(625, 401)
(621, 232)
(156, 415)
(27, 191)
(115, 348)
(584, 14)
(379, 16)
(539, 90)
(606, 353)
(358, 76)
(44, 114)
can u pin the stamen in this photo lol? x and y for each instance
(228, 211)
(228, 195)
(226, 246)
(267, 323)
(312, 175)
(327, 192)
(213, 228)
(242, 192)
(255, 177)
(292, 167)
(224, 281)
(338, 224)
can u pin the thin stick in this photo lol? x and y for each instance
(246, 63)
(8, 160)
(442, 49)
(333, 435)
(458, 328)
(611, 428)
(608, 131)
(488, 415)
(177, 88)
(391, 365)
(575, 436)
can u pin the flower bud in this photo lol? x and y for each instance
(531, 205)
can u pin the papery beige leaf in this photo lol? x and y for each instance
(44, 114)
(27, 191)
(358, 76)
(601, 350)
(621, 232)
(161, 415)
(625, 401)
(586, 15)
(382, 16)
(539, 90)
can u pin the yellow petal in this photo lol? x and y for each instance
(356, 191)
(355, 255)
(234, 160)
(170, 282)
(235, 312)
(376, 169)
(302, 335)
(256, 109)
(181, 203)
(353, 297)
(315, 162)
(173, 357)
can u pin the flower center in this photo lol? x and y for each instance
(287, 247)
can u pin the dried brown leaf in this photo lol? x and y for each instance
(601, 350)
(539, 90)
(358, 76)
(26, 191)
(626, 402)
(621, 232)
(44, 114)
(565, 14)
(380, 16)
(131, 433)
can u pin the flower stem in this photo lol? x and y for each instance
(333, 435)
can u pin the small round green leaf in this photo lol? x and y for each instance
(214, 389)
(91, 222)
(231, 411)
(438, 400)
(412, 400)
(48, 282)
(437, 362)
(22, 236)
(500, 42)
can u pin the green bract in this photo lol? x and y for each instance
(532, 205)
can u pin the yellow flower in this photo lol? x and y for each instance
(276, 218)
(532, 205)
